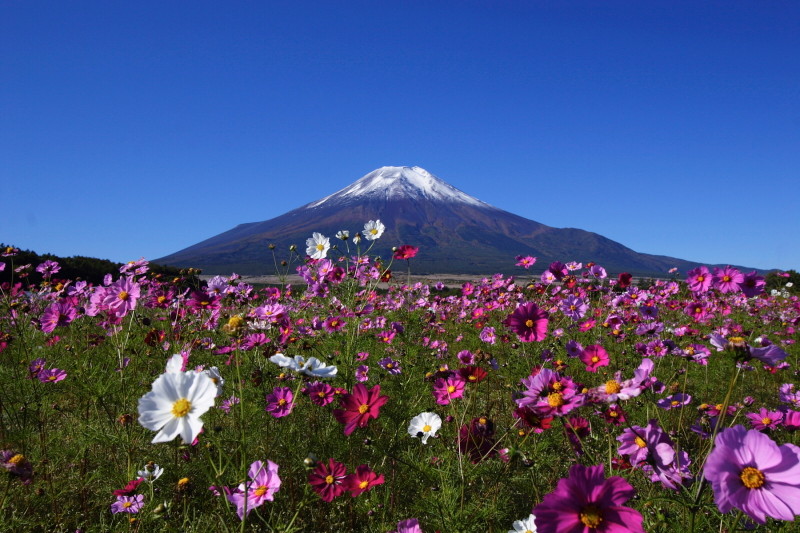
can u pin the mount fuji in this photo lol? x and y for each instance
(455, 232)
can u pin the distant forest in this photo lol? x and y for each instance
(89, 269)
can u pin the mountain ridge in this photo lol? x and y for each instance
(456, 233)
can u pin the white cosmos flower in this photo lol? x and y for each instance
(175, 364)
(425, 425)
(373, 230)
(150, 472)
(317, 246)
(313, 367)
(216, 377)
(343, 235)
(175, 405)
(524, 526)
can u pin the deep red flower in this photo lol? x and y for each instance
(624, 280)
(362, 480)
(130, 488)
(328, 480)
(472, 374)
(359, 407)
(406, 252)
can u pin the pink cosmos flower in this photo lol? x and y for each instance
(362, 480)
(320, 393)
(526, 262)
(727, 279)
(51, 375)
(528, 322)
(264, 483)
(752, 284)
(359, 407)
(128, 504)
(449, 388)
(280, 402)
(121, 296)
(587, 501)
(765, 420)
(406, 252)
(749, 471)
(594, 357)
(410, 525)
(699, 279)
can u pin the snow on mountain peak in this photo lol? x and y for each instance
(400, 182)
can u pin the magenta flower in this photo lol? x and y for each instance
(765, 420)
(574, 307)
(748, 471)
(51, 375)
(752, 284)
(410, 525)
(362, 373)
(362, 480)
(120, 297)
(526, 262)
(727, 279)
(449, 388)
(699, 279)
(488, 335)
(528, 322)
(320, 393)
(406, 252)
(280, 402)
(549, 394)
(328, 480)
(594, 357)
(674, 401)
(57, 314)
(264, 483)
(587, 501)
(359, 407)
(128, 504)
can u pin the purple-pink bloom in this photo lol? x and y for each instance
(51, 375)
(699, 279)
(525, 262)
(410, 525)
(752, 284)
(674, 401)
(727, 279)
(528, 322)
(57, 314)
(587, 501)
(280, 402)
(264, 483)
(749, 471)
(449, 388)
(120, 297)
(594, 357)
(765, 420)
(128, 504)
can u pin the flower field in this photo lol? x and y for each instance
(572, 400)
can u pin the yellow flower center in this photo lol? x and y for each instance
(675, 403)
(595, 359)
(426, 428)
(282, 402)
(613, 386)
(260, 491)
(363, 408)
(590, 516)
(752, 478)
(321, 394)
(123, 295)
(613, 414)
(161, 299)
(320, 247)
(329, 480)
(482, 420)
(451, 389)
(640, 442)
(726, 278)
(701, 278)
(182, 482)
(181, 407)
(557, 386)
(127, 504)
(235, 322)
(529, 323)
(17, 459)
(737, 342)
(363, 484)
(766, 421)
(555, 399)
(373, 231)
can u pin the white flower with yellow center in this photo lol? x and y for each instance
(524, 526)
(373, 230)
(175, 405)
(424, 425)
(317, 246)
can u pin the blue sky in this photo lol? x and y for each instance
(139, 128)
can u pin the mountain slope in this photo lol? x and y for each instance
(456, 233)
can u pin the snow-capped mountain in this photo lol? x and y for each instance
(412, 183)
(456, 233)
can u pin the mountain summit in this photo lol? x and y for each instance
(456, 233)
(393, 183)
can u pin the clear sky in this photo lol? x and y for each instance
(135, 129)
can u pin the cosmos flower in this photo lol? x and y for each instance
(594, 357)
(674, 401)
(264, 483)
(328, 480)
(525, 525)
(175, 404)
(406, 252)
(424, 425)
(280, 402)
(359, 407)
(526, 262)
(447, 389)
(362, 480)
(699, 279)
(587, 501)
(749, 471)
(528, 322)
(128, 504)
(373, 230)
(313, 367)
(317, 246)
(121, 296)
(727, 279)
